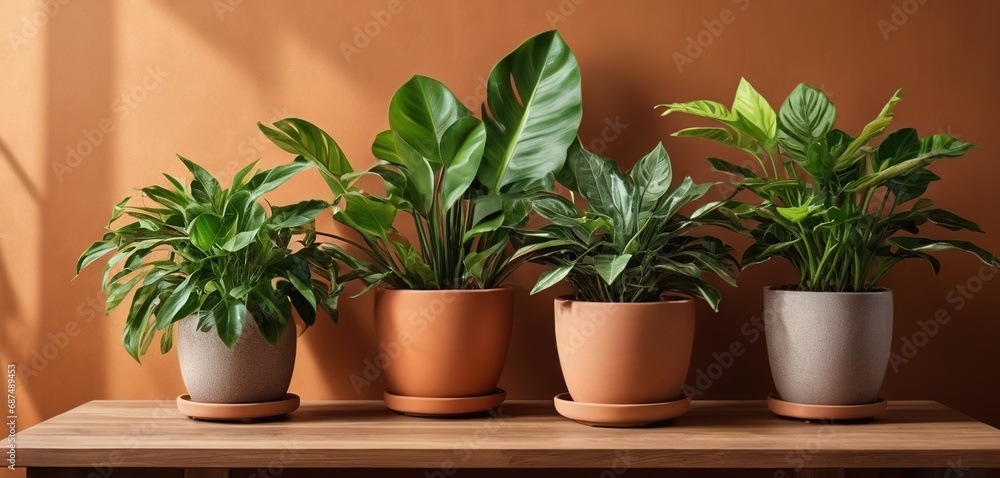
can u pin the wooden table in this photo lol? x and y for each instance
(151, 438)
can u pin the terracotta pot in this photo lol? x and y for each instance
(624, 353)
(443, 343)
(252, 371)
(828, 348)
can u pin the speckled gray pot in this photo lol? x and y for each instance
(828, 348)
(252, 371)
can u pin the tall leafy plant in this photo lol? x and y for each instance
(842, 210)
(631, 244)
(464, 182)
(198, 249)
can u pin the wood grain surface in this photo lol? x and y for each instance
(524, 434)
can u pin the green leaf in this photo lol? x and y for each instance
(177, 301)
(724, 135)
(799, 213)
(702, 108)
(94, 252)
(269, 180)
(651, 177)
(204, 230)
(806, 116)
(760, 252)
(367, 215)
(421, 111)
(606, 189)
(300, 277)
(610, 266)
(532, 113)
(167, 340)
(419, 173)
(204, 187)
(919, 244)
(296, 214)
(551, 277)
(229, 324)
(727, 167)
(462, 152)
(302, 138)
(117, 211)
(896, 148)
(871, 130)
(754, 115)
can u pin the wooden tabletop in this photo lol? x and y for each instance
(526, 434)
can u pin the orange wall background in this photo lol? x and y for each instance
(126, 84)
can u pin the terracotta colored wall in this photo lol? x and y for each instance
(128, 84)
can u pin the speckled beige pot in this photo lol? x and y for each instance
(443, 343)
(828, 348)
(624, 353)
(252, 371)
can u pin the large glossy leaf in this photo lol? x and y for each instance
(532, 112)
(754, 115)
(302, 138)
(419, 189)
(805, 116)
(177, 302)
(897, 147)
(462, 152)
(367, 215)
(421, 111)
(606, 189)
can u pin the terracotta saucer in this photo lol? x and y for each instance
(443, 407)
(620, 415)
(244, 412)
(805, 411)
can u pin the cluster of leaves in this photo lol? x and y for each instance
(831, 203)
(466, 183)
(632, 242)
(218, 254)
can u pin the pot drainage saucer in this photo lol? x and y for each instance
(804, 411)
(443, 407)
(620, 415)
(243, 412)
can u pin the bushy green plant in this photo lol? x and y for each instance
(832, 204)
(215, 253)
(465, 183)
(631, 244)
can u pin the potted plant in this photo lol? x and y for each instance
(213, 269)
(844, 212)
(465, 183)
(624, 337)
